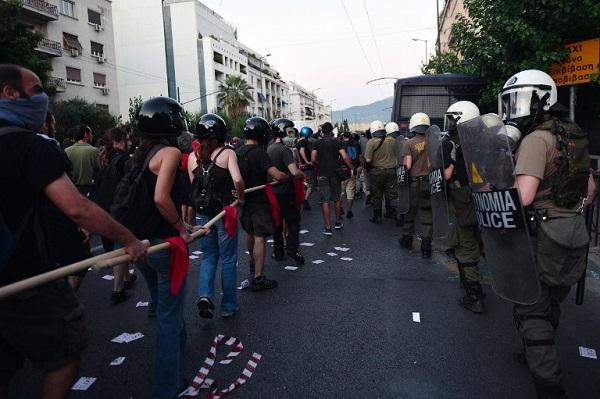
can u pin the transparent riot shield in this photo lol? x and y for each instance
(403, 190)
(437, 184)
(501, 218)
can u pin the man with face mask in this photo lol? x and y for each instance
(552, 168)
(45, 324)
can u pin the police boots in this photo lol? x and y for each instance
(406, 242)
(376, 217)
(426, 249)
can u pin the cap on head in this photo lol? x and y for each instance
(419, 123)
(211, 126)
(161, 117)
(377, 128)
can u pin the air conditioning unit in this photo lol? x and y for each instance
(101, 60)
(75, 52)
(105, 91)
(98, 28)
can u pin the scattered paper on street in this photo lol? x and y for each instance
(133, 337)
(244, 284)
(108, 277)
(120, 339)
(293, 268)
(83, 383)
(318, 261)
(141, 304)
(118, 361)
(332, 254)
(346, 259)
(416, 317)
(193, 257)
(131, 271)
(270, 240)
(307, 244)
(587, 352)
(342, 249)
(247, 252)
(303, 231)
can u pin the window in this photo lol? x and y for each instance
(217, 57)
(73, 75)
(71, 42)
(97, 49)
(94, 17)
(67, 7)
(99, 80)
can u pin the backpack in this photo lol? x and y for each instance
(352, 153)
(205, 198)
(568, 185)
(133, 201)
(107, 179)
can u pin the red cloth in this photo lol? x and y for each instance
(230, 222)
(180, 263)
(184, 161)
(195, 145)
(299, 191)
(273, 205)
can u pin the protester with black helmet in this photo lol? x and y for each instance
(214, 172)
(157, 158)
(283, 158)
(255, 166)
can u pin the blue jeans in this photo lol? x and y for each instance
(218, 245)
(170, 332)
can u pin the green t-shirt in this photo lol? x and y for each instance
(84, 158)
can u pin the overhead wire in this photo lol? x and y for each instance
(358, 39)
(373, 36)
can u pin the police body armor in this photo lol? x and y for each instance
(437, 184)
(490, 166)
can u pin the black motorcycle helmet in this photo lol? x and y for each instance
(211, 126)
(279, 127)
(256, 128)
(161, 117)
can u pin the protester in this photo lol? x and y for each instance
(46, 324)
(84, 158)
(349, 185)
(363, 175)
(326, 154)
(160, 122)
(256, 218)
(304, 148)
(214, 172)
(48, 129)
(286, 195)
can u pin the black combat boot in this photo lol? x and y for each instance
(376, 217)
(390, 213)
(473, 300)
(545, 390)
(426, 249)
(406, 242)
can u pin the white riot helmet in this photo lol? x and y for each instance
(377, 129)
(458, 113)
(391, 128)
(525, 97)
(419, 123)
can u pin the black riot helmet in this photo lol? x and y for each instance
(211, 126)
(257, 128)
(161, 117)
(280, 127)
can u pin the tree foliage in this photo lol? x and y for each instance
(135, 103)
(78, 111)
(18, 42)
(235, 96)
(502, 37)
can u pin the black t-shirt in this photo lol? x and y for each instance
(282, 156)
(328, 156)
(28, 163)
(254, 163)
(304, 143)
(453, 155)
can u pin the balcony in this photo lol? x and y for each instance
(58, 83)
(39, 10)
(50, 47)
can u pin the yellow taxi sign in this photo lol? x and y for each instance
(580, 65)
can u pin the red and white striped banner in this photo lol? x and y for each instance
(202, 382)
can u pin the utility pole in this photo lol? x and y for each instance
(169, 61)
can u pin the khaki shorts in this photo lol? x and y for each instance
(348, 187)
(256, 219)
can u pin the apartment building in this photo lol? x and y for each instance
(307, 107)
(452, 9)
(78, 38)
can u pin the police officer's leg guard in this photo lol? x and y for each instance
(426, 249)
(376, 217)
(406, 242)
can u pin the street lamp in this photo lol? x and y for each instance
(375, 80)
(261, 59)
(425, 41)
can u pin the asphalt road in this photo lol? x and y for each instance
(341, 329)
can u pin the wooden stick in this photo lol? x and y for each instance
(109, 259)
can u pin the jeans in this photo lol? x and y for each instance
(170, 331)
(218, 245)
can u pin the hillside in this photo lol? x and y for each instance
(366, 113)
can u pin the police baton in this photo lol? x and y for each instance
(589, 217)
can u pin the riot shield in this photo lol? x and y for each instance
(403, 190)
(437, 184)
(508, 251)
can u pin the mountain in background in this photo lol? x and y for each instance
(366, 113)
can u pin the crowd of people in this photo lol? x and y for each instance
(173, 183)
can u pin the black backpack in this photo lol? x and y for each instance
(107, 179)
(205, 198)
(133, 201)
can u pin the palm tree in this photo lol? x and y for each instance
(235, 95)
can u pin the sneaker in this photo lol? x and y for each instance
(226, 315)
(349, 215)
(151, 310)
(338, 225)
(306, 206)
(119, 296)
(262, 283)
(327, 232)
(297, 257)
(128, 284)
(206, 309)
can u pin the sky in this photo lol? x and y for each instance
(313, 43)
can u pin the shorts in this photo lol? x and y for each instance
(329, 189)
(256, 219)
(44, 325)
(348, 187)
(310, 178)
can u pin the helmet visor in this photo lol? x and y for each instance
(450, 121)
(516, 104)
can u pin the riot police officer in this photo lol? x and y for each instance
(393, 130)
(415, 160)
(552, 168)
(465, 230)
